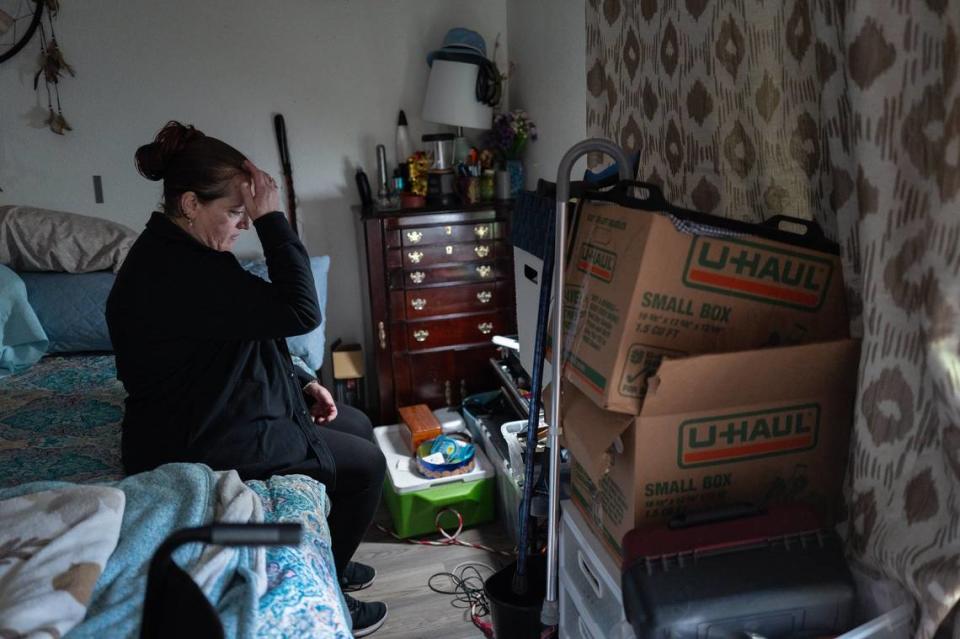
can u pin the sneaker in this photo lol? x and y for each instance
(357, 576)
(367, 616)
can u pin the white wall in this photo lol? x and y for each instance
(338, 70)
(547, 43)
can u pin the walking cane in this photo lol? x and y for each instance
(280, 128)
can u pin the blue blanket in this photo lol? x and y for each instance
(61, 420)
(159, 502)
(22, 340)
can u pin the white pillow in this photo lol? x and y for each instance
(33, 239)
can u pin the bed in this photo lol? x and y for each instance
(60, 427)
(60, 421)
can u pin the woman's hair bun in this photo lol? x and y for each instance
(153, 159)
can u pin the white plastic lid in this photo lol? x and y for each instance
(450, 420)
(401, 466)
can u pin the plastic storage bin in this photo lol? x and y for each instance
(483, 410)
(483, 413)
(479, 421)
(896, 624)
(591, 603)
(508, 497)
(414, 501)
(510, 479)
(508, 486)
(575, 621)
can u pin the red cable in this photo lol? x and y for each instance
(454, 540)
(449, 540)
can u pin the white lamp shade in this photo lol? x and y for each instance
(452, 96)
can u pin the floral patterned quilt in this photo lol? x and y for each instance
(60, 420)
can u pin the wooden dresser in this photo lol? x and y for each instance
(441, 285)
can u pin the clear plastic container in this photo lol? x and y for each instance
(896, 624)
(591, 600)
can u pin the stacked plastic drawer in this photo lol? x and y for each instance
(591, 603)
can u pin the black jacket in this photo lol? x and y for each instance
(200, 350)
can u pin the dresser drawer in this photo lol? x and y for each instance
(447, 234)
(449, 273)
(447, 300)
(471, 329)
(468, 273)
(443, 378)
(413, 257)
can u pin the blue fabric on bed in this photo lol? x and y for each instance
(308, 347)
(22, 339)
(303, 597)
(157, 503)
(71, 308)
(61, 420)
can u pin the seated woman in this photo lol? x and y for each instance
(200, 346)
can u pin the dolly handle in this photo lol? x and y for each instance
(256, 534)
(813, 232)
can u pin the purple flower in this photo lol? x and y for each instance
(510, 133)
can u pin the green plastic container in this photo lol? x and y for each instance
(415, 501)
(415, 513)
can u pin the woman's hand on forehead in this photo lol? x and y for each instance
(260, 195)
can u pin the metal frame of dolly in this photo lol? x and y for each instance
(550, 613)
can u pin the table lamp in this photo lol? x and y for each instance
(452, 99)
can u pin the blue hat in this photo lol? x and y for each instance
(462, 42)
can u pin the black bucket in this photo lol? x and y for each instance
(517, 616)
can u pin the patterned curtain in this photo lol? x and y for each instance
(846, 112)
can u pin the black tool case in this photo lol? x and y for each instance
(775, 574)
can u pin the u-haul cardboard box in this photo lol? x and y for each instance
(638, 290)
(758, 426)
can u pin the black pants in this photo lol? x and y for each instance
(360, 470)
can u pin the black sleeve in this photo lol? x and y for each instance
(304, 377)
(225, 302)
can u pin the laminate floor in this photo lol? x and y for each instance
(403, 569)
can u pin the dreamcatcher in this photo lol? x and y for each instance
(19, 21)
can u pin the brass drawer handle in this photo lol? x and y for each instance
(421, 335)
(484, 296)
(418, 303)
(482, 250)
(382, 334)
(448, 249)
(484, 271)
(448, 230)
(481, 230)
(417, 277)
(414, 236)
(485, 327)
(415, 256)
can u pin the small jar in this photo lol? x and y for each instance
(487, 184)
(469, 189)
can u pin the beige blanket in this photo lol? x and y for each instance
(236, 504)
(53, 547)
